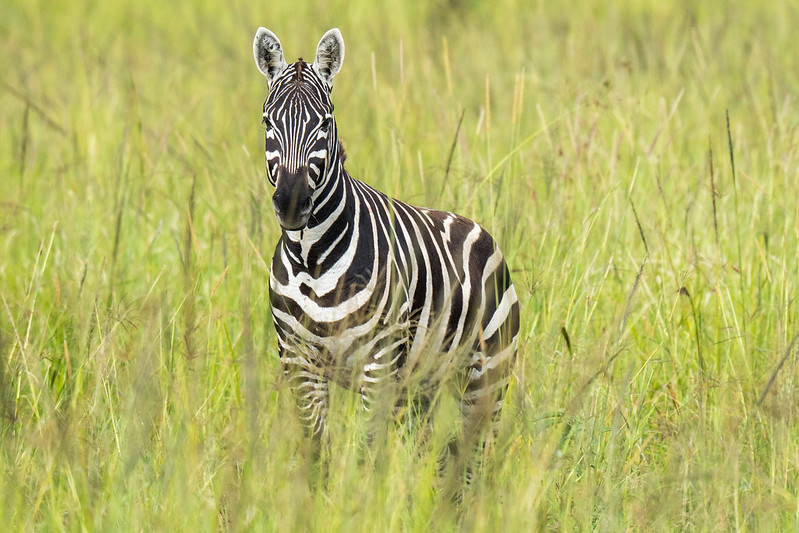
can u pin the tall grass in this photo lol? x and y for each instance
(657, 383)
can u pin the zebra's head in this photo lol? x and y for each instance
(301, 137)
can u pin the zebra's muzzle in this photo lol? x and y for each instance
(292, 198)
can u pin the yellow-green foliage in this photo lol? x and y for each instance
(139, 382)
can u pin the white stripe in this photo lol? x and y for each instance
(501, 312)
(466, 288)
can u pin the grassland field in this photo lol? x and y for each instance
(636, 160)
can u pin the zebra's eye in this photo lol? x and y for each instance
(266, 122)
(326, 122)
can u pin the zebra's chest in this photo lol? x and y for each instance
(336, 318)
(318, 300)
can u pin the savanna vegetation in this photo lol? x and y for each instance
(636, 160)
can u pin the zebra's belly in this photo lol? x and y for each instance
(388, 350)
(346, 357)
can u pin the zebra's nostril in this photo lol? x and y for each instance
(277, 204)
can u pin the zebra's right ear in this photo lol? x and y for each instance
(268, 54)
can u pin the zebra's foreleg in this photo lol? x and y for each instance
(379, 388)
(310, 390)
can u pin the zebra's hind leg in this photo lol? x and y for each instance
(481, 404)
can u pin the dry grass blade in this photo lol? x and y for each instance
(773, 377)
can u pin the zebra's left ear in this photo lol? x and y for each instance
(329, 56)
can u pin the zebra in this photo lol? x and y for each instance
(368, 292)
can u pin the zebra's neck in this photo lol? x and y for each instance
(333, 221)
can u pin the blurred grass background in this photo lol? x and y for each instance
(657, 385)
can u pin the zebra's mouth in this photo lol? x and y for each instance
(293, 223)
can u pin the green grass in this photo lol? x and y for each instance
(140, 386)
